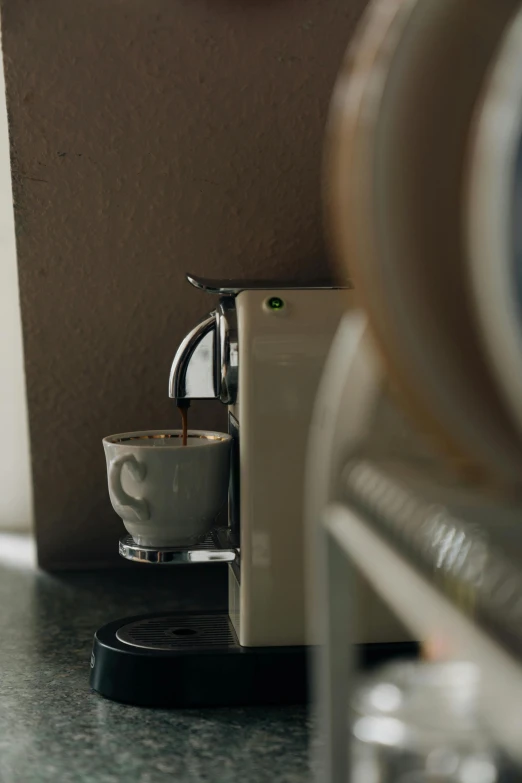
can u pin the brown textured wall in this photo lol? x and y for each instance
(149, 137)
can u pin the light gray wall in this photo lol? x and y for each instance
(149, 137)
(16, 511)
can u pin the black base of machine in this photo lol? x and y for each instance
(194, 660)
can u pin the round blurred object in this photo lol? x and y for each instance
(494, 216)
(395, 171)
(418, 723)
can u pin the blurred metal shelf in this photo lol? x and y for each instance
(432, 604)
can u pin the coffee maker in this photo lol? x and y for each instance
(261, 353)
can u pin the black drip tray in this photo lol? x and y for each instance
(192, 660)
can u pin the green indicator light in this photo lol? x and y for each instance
(275, 303)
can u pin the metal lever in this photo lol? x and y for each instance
(234, 287)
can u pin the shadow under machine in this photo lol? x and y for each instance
(261, 353)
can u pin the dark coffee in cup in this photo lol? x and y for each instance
(183, 409)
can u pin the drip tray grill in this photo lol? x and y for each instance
(179, 632)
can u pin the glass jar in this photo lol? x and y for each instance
(417, 722)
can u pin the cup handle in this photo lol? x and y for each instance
(122, 498)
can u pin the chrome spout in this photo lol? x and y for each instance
(193, 375)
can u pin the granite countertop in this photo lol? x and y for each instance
(54, 728)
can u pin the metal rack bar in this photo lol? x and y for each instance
(428, 613)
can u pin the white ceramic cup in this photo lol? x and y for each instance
(168, 494)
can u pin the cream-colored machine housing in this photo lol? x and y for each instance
(262, 352)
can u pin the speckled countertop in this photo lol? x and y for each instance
(54, 728)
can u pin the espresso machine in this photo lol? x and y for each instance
(261, 353)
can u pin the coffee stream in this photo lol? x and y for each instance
(184, 425)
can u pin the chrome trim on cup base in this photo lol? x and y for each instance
(208, 551)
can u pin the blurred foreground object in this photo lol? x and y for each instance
(419, 411)
(418, 723)
(406, 137)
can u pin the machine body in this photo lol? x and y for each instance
(261, 352)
